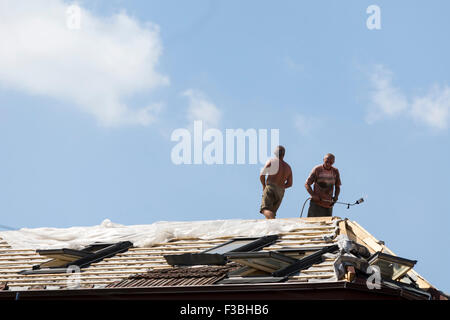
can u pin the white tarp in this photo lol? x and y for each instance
(145, 235)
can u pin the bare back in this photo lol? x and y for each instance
(280, 176)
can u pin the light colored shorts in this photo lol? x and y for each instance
(271, 198)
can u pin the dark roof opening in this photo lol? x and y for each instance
(305, 262)
(216, 255)
(60, 257)
(64, 258)
(265, 261)
(258, 267)
(272, 266)
(243, 245)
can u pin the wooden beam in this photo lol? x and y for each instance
(343, 228)
(350, 273)
(318, 276)
(374, 245)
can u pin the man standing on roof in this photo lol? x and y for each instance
(325, 178)
(279, 178)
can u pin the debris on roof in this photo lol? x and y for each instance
(146, 235)
(4, 286)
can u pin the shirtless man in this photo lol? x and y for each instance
(279, 178)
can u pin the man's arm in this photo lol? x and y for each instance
(337, 187)
(263, 180)
(288, 182)
(262, 175)
(311, 192)
(311, 179)
(309, 189)
(337, 190)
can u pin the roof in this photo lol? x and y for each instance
(146, 267)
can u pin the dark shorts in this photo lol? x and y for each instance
(318, 211)
(271, 198)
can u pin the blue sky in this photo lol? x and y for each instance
(86, 115)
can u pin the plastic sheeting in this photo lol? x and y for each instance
(146, 235)
(347, 256)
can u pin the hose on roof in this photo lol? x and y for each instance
(360, 200)
(304, 206)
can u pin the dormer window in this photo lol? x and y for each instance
(271, 266)
(391, 267)
(216, 255)
(61, 259)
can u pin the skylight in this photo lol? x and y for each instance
(230, 246)
(265, 261)
(391, 267)
(243, 245)
(271, 266)
(64, 258)
(305, 262)
(215, 256)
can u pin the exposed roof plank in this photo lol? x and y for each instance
(60, 279)
(126, 262)
(320, 276)
(325, 270)
(160, 253)
(183, 242)
(23, 258)
(179, 247)
(364, 236)
(136, 254)
(16, 250)
(343, 228)
(67, 275)
(287, 242)
(305, 236)
(19, 254)
(321, 228)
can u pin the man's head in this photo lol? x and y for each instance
(279, 152)
(328, 160)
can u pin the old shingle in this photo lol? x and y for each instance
(179, 276)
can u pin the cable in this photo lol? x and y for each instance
(361, 200)
(304, 206)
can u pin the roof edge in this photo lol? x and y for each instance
(228, 291)
(375, 245)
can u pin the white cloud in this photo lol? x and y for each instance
(292, 65)
(94, 68)
(386, 100)
(200, 108)
(432, 109)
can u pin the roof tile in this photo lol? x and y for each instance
(178, 276)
